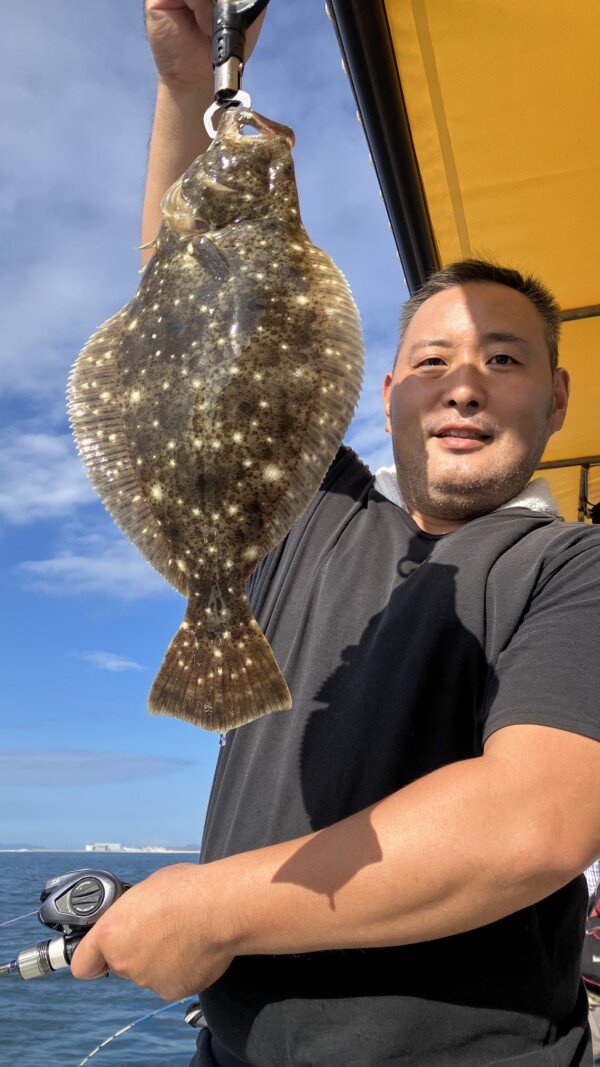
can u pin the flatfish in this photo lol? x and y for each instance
(209, 408)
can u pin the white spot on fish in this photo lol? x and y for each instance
(272, 473)
(135, 396)
(156, 491)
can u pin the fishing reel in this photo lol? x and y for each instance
(70, 903)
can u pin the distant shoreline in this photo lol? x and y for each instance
(111, 852)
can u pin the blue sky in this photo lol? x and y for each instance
(85, 621)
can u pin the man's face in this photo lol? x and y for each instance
(471, 403)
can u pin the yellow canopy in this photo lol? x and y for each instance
(497, 101)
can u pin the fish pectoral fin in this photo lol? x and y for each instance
(211, 259)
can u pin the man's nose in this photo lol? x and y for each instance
(465, 388)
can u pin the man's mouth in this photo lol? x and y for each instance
(469, 434)
(462, 437)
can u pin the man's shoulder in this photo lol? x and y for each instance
(346, 468)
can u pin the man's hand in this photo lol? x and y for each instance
(161, 934)
(180, 33)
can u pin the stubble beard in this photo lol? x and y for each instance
(461, 497)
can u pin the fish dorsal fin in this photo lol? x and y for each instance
(98, 428)
(340, 347)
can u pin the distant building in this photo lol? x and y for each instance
(101, 846)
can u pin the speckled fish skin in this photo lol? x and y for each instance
(208, 410)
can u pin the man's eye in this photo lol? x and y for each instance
(432, 361)
(502, 360)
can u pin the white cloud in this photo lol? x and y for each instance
(97, 563)
(109, 661)
(71, 180)
(41, 477)
(52, 767)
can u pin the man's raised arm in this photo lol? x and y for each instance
(179, 32)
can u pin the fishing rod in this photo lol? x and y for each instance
(71, 904)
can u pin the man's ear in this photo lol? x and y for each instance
(386, 395)
(562, 384)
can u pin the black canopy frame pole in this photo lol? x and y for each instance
(366, 45)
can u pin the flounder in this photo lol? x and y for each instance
(208, 410)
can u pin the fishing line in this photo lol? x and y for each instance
(19, 917)
(136, 1022)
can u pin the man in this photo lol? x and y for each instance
(390, 871)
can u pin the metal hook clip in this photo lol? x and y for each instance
(240, 99)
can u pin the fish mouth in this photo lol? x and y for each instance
(235, 119)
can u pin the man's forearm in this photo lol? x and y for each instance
(449, 853)
(459, 848)
(178, 136)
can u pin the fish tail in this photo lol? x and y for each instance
(219, 679)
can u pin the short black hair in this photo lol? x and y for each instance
(481, 270)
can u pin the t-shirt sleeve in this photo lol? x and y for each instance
(549, 672)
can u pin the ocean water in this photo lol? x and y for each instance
(56, 1021)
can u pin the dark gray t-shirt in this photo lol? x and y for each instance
(403, 652)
